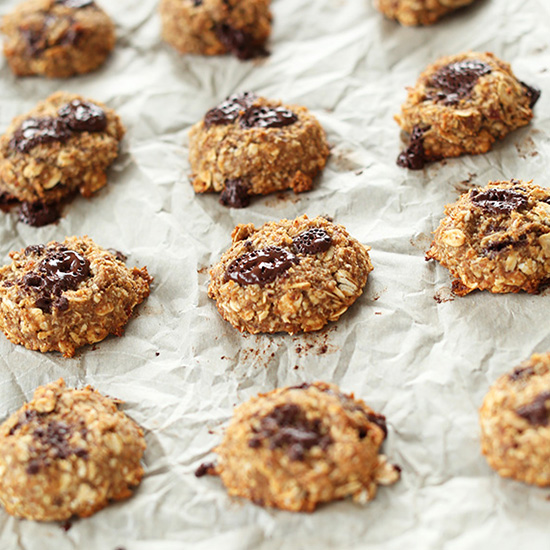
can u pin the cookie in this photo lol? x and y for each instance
(213, 27)
(418, 12)
(57, 38)
(61, 296)
(496, 238)
(68, 452)
(250, 145)
(297, 447)
(289, 276)
(514, 418)
(61, 147)
(461, 105)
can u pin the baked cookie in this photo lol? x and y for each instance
(61, 296)
(213, 27)
(63, 146)
(496, 238)
(418, 12)
(250, 145)
(460, 105)
(66, 453)
(514, 418)
(289, 276)
(57, 38)
(297, 447)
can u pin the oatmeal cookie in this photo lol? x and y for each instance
(66, 453)
(250, 145)
(290, 275)
(496, 238)
(57, 38)
(61, 296)
(297, 447)
(213, 27)
(461, 105)
(514, 418)
(418, 12)
(64, 145)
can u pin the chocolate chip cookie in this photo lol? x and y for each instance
(213, 27)
(514, 418)
(496, 238)
(297, 447)
(63, 146)
(68, 452)
(418, 12)
(250, 145)
(290, 275)
(57, 38)
(61, 296)
(461, 105)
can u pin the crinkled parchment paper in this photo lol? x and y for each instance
(425, 364)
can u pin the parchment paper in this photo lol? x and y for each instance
(181, 368)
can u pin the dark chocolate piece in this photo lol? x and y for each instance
(287, 426)
(499, 201)
(520, 373)
(204, 469)
(37, 131)
(228, 111)
(118, 255)
(83, 116)
(414, 157)
(312, 241)
(240, 43)
(235, 193)
(38, 214)
(532, 93)
(378, 419)
(456, 81)
(496, 246)
(267, 117)
(261, 266)
(536, 412)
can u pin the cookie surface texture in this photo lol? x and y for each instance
(57, 38)
(514, 418)
(250, 145)
(297, 447)
(213, 27)
(290, 276)
(418, 12)
(496, 238)
(67, 452)
(462, 104)
(61, 296)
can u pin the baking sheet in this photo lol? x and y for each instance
(425, 364)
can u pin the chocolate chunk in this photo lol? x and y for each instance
(261, 266)
(240, 43)
(456, 81)
(532, 93)
(76, 4)
(197, 3)
(312, 241)
(37, 131)
(38, 214)
(33, 467)
(379, 420)
(414, 157)
(228, 111)
(499, 201)
(536, 412)
(267, 117)
(37, 249)
(83, 116)
(204, 469)
(287, 426)
(235, 193)
(496, 246)
(118, 255)
(520, 373)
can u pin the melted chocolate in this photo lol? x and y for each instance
(82, 116)
(414, 157)
(37, 131)
(499, 201)
(456, 81)
(38, 214)
(497, 246)
(536, 412)
(241, 44)
(267, 117)
(520, 373)
(235, 193)
(76, 4)
(228, 111)
(312, 241)
(378, 419)
(532, 93)
(288, 427)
